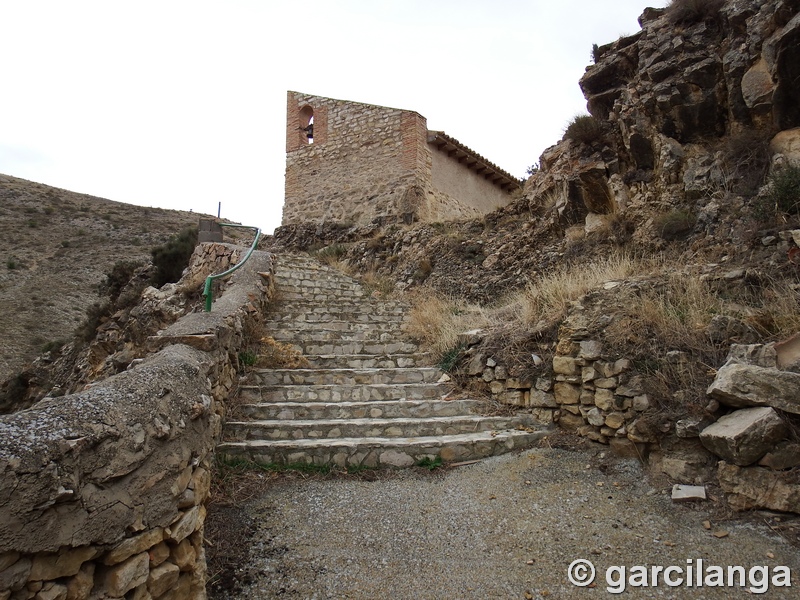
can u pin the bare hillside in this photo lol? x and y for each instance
(56, 247)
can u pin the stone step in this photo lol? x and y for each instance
(380, 452)
(240, 431)
(301, 285)
(300, 327)
(387, 409)
(365, 348)
(260, 377)
(386, 306)
(365, 361)
(343, 393)
(321, 296)
(323, 336)
(350, 312)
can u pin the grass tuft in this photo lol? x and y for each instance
(584, 129)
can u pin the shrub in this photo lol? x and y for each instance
(120, 275)
(675, 224)
(172, 258)
(584, 129)
(693, 11)
(94, 317)
(784, 192)
(11, 264)
(53, 346)
(746, 156)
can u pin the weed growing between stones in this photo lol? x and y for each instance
(429, 463)
(247, 359)
(450, 358)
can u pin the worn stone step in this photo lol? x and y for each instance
(350, 312)
(301, 285)
(365, 361)
(381, 452)
(320, 314)
(366, 348)
(343, 393)
(300, 327)
(240, 431)
(387, 409)
(322, 336)
(325, 297)
(304, 304)
(260, 377)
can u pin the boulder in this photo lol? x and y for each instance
(740, 386)
(744, 436)
(785, 455)
(756, 487)
(787, 143)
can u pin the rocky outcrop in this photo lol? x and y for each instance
(757, 444)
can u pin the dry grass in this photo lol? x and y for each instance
(277, 355)
(372, 282)
(548, 298)
(436, 321)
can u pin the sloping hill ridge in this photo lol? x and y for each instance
(56, 247)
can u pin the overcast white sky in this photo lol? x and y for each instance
(182, 104)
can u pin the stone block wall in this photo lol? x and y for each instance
(367, 163)
(103, 492)
(585, 392)
(362, 165)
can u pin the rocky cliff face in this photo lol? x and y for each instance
(691, 110)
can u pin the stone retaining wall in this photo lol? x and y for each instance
(103, 492)
(585, 392)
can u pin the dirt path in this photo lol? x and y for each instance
(508, 527)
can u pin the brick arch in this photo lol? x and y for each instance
(306, 116)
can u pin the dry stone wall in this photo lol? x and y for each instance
(103, 492)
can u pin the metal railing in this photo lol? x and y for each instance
(207, 290)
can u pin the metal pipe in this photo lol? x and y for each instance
(207, 289)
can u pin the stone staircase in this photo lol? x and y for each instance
(367, 399)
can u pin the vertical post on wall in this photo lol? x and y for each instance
(219, 208)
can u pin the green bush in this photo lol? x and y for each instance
(94, 318)
(584, 129)
(784, 192)
(172, 258)
(120, 275)
(693, 11)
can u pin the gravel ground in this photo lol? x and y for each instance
(507, 527)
